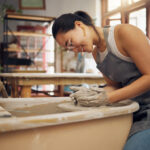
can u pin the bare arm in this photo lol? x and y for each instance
(135, 45)
(111, 85)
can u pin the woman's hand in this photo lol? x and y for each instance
(89, 97)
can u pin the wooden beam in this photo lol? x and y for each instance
(26, 91)
(122, 11)
(27, 34)
(128, 8)
(148, 21)
(103, 11)
(137, 5)
(29, 17)
(3, 90)
(26, 50)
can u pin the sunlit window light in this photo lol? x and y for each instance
(136, 0)
(116, 20)
(113, 4)
(138, 18)
(116, 16)
(132, 1)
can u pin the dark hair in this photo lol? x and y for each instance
(85, 16)
(65, 22)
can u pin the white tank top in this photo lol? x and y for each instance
(114, 49)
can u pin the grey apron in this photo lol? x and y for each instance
(125, 73)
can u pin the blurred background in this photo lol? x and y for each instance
(20, 52)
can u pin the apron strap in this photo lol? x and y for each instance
(106, 32)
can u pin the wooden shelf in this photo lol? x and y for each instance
(31, 39)
(11, 66)
(27, 34)
(27, 50)
(29, 66)
(29, 71)
(29, 17)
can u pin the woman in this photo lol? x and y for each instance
(122, 54)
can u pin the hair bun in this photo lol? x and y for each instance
(84, 15)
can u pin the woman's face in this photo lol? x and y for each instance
(78, 39)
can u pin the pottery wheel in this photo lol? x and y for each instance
(71, 107)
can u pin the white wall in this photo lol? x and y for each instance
(55, 8)
(58, 7)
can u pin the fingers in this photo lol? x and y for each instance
(81, 88)
(90, 103)
(83, 94)
(89, 97)
(93, 100)
(97, 89)
(78, 88)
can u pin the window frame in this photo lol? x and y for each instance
(125, 9)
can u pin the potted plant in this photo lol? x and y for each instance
(8, 8)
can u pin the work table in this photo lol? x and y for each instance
(26, 80)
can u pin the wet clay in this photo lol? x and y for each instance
(42, 109)
(69, 106)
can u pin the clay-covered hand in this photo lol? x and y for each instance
(78, 88)
(88, 97)
(97, 89)
(95, 100)
(81, 88)
(82, 93)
